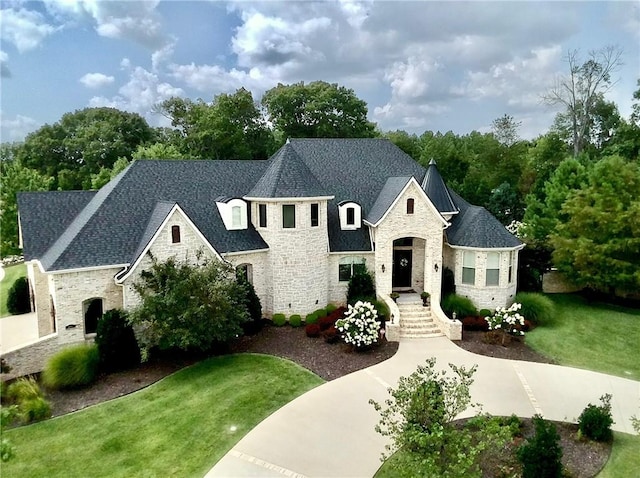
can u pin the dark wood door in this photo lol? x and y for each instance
(402, 268)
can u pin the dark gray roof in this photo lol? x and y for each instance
(112, 226)
(391, 190)
(159, 214)
(45, 215)
(474, 226)
(287, 177)
(434, 186)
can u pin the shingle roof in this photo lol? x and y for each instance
(476, 227)
(159, 214)
(111, 227)
(392, 188)
(434, 186)
(287, 177)
(45, 215)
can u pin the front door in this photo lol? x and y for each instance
(401, 276)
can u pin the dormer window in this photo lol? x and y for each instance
(350, 215)
(175, 234)
(233, 213)
(410, 203)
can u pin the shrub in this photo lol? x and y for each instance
(330, 308)
(537, 308)
(471, 323)
(485, 313)
(34, 409)
(295, 320)
(25, 388)
(320, 313)
(506, 321)
(254, 307)
(383, 310)
(541, 455)
(312, 330)
(279, 320)
(331, 335)
(18, 301)
(595, 421)
(361, 287)
(72, 367)
(360, 327)
(462, 306)
(311, 318)
(30, 404)
(448, 282)
(117, 345)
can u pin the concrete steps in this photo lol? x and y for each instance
(416, 321)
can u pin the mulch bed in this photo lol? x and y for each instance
(331, 361)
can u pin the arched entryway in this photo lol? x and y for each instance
(92, 312)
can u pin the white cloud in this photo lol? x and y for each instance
(26, 29)
(96, 80)
(213, 79)
(4, 65)
(140, 94)
(16, 128)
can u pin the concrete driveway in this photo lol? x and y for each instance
(18, 330)
(329, 431)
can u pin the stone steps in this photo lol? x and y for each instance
(416, 321)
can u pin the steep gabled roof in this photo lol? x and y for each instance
(158, 216)
(45, 215)
(476, 227)
(287, 177)
(392, 188)
(434, 186)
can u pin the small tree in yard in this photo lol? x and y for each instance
(541, 455)
(18, 301)
(418, 419)
(188, 307)
(117, 345)
(506, 321)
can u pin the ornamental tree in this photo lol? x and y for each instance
(188, 307)
(506, 321)
(360, 326)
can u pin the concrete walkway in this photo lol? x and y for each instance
(329, 431)
(18, 330)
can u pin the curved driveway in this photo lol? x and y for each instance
(329, 431)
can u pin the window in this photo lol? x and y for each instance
(288, 216)
(410, 206)
(246, 272)
(349, 266)
(315, 210)
(468, 267)
(493, 268)
(92, 312)
(351, 216)
(262, 215)
(236, 216)
(175, 234)
(512, 255)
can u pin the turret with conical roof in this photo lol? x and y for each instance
(437, 190)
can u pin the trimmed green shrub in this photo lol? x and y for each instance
(72, 367)
(330, 308)
(311, 318)
(462, 306)
(541, 455)
(537, 308)
(295, 320)
(279, 320)
(361, 287)
(383, 310)
(320, 313)
(18, 301)
(485, 313)
(117, 345)
(595, 421)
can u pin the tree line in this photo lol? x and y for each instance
(570, 193)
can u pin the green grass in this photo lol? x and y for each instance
(180, 426)
(625, 457)
(11, 273)
(597, 337)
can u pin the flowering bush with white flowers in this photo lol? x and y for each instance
(360, 326)
(506, 320)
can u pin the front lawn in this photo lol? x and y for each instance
(11, 273)
(180, 426)
(597, 337)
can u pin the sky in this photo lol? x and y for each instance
(419, 65)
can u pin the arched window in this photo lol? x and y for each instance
(175, 234)
(92, 309)
(410, 206)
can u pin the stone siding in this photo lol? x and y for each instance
(297, 258)
(553, 282)
(42, 300)
(338, 290)
(483, 296)
(259, 262)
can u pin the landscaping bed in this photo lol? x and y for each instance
(517, 349)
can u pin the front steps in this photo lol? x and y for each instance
(416, 321)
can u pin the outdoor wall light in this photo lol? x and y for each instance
(436, 267)
(383, 268)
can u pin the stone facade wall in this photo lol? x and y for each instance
(30, 358)
(259, 275)
(72, 289)
(425, 224)
(483, 296)
(298, 257)
(191, 248)
(338, 290)
(553, 282)
(42, 300)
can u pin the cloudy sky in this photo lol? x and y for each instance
(420, 65)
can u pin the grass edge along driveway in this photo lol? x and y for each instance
(179, 426)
